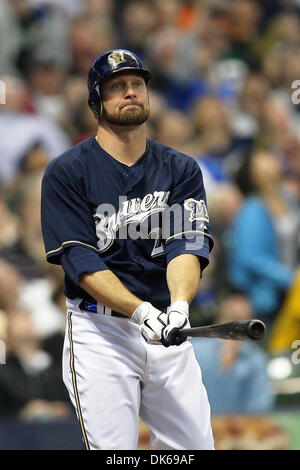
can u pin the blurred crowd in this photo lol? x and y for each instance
(224, 93)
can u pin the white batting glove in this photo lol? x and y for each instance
(177, 318)
(151, 320)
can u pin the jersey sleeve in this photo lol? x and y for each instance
(66, 217)
(186, 229)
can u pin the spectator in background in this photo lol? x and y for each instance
(215, 144)
(224, 203)
(89, 36)
(30, 383)
(184, 64)
(28, 25)
(248, 110)
(181, 50)
(11, 283)
(138, 20)
(261, 258)
(36, 159)
(234, 372)
(21, 129)
(243, 23)
(284, 88)
(278, 133)
(175, 129)
(71, 8)
(26, 256)
(76, 97)
(278, 50)
(212, 125)
(276, 129)
(291, 175)
(84, 124)
(271, 67)
(10, 44)
(46, 76)
(158, 108)
(8, 222)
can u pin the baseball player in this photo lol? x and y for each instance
(126, 219)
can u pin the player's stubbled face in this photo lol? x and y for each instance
(125, 100)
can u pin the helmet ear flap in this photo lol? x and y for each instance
(95, 101)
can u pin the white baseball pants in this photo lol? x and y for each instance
(114, 377)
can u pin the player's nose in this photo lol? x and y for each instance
(129, 91)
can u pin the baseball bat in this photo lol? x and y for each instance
(241, 330)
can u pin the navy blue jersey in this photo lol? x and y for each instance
(98, 214)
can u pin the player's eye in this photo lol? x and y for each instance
(116, 86)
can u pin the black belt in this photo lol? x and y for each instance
(92, 307)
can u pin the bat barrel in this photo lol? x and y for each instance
(241, 330)
(257, 329)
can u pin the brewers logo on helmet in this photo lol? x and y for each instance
(114, 61)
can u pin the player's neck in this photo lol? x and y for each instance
(125, 144)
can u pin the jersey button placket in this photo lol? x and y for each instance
(126, 179)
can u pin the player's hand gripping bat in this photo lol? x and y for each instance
(241, 330)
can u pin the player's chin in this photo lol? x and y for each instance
(133, 116)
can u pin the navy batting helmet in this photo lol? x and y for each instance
(107, 64)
